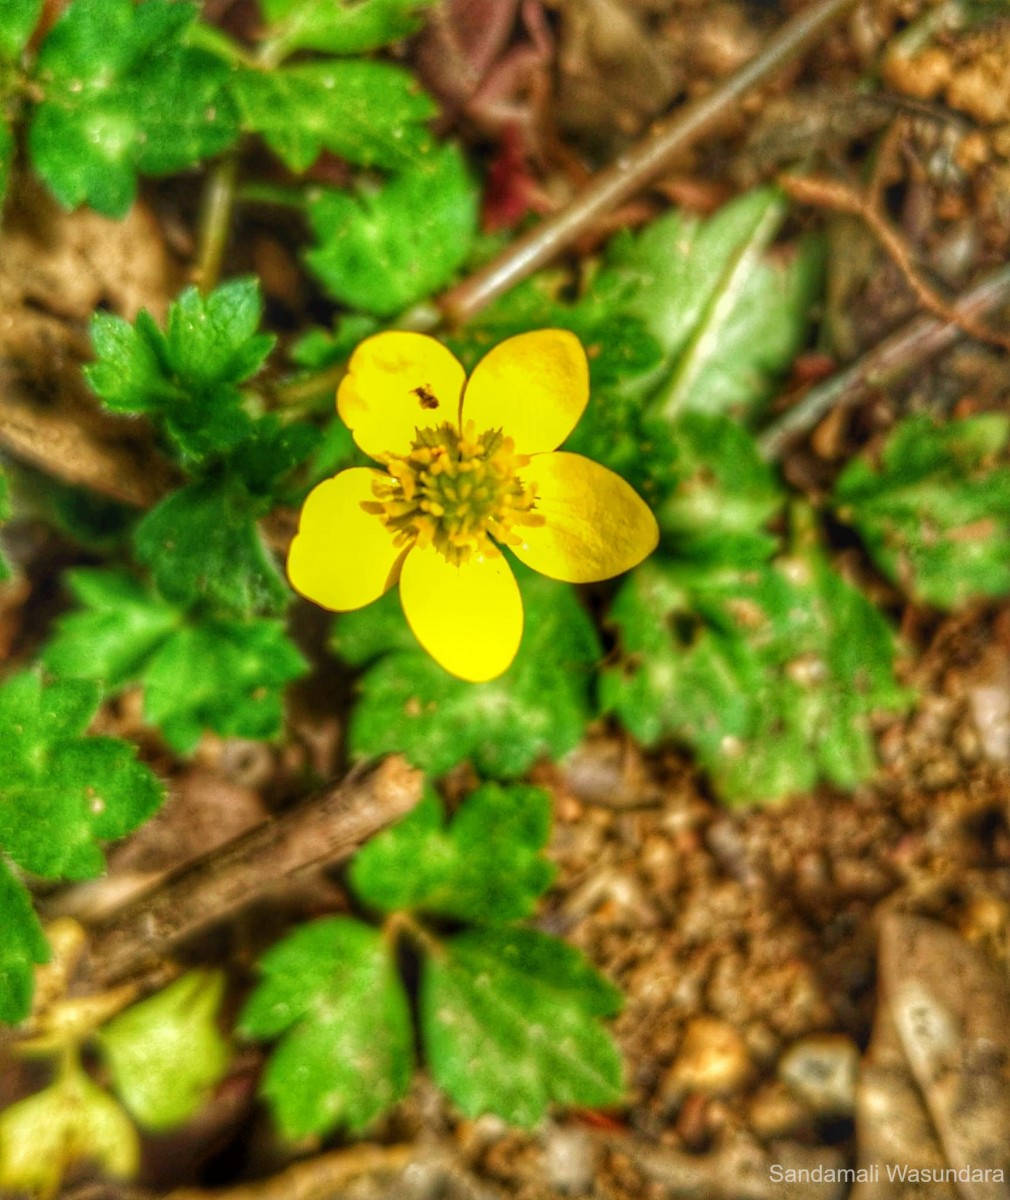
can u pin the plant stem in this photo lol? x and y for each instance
(634, 170)
(135, 941)
(215, 219)
(916, 341)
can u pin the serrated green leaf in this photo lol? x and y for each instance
(321, 348)
(114, 635)
(935, 513)
(224, 675)
(61, 792)
(487, 865)
(124, 93)
(725, 497)
(201, 543)
(166, 1053)
(370, 113)
(511, 1024)
(409, 704)
(189, 375)
(198, 671)
(17, 23)
(68, 1122)
(769, 674)
(22, 946)
(340, 26)
(5, 512)
(331, 991)
(212, 340)
(384, 249)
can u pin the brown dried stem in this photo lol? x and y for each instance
(914, 343)
(631, 172)
(841, 197)
(136, 940)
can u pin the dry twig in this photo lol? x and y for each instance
(325, 829)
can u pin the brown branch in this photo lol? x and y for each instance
(137, 939)
(841, 197)
(633, 171)
(914, 343)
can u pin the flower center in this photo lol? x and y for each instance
(456, 491)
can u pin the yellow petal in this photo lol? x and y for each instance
(343, 557)
(595, 524)
(469, 618)
(396, 382)
(534, 387)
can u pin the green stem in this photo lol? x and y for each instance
(215, 220)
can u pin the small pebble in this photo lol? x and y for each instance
(569, 1159)
(821, 1071)
(713, 1060)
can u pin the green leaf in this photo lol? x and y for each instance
(23, 945)
(730, 318)
(166, 1053)
(538, 708)
(124, 93)
(331, 992)
(189, 375)
(386, 248)
(370, 113)
(5, 512)
(770, 674)
(511, 1023)
(340, 26)
(199, 672)
(224, 675)
(114, 635)
(201, 543)
(935, 512)
(68, 1122)
(487, 865)
(725, 497)
(17, 24)
(61, 793)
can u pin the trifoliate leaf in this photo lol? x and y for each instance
(486, 865)
(539, 707)
(331, 992)
(198, 672)
(935, 512)
(385, 248)
(212, 340)
(769, 674)
(725, 496)
(370, 113)
(224, 675)
(340, 26)
(201, 543)
(5, 512)
(166, 1053)
(68, 1122)
(60, 792)
(112, 637)
(22, 946)
(729, 318)
(17, 23)
(189, 375)
(123, 93)
(511, 1024)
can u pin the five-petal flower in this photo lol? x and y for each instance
(470, 465)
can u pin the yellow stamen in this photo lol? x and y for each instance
(456, 491)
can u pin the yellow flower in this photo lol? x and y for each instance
(469, 466)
